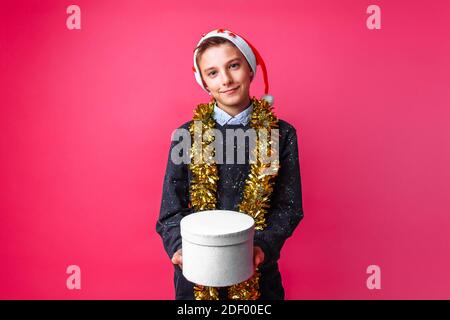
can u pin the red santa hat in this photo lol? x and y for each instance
(248, 51)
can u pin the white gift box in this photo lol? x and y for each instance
(217, 247)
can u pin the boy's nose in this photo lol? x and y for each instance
(226, 78)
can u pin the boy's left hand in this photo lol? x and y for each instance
(258, 256)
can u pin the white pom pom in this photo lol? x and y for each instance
(268, 98)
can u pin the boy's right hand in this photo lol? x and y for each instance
(178, 258)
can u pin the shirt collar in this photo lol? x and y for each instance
(223, 118)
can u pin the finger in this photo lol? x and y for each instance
(259, 259)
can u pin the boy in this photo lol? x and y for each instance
(224, 66)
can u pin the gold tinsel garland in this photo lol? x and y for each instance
(257, 190)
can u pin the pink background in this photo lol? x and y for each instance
(86, 117)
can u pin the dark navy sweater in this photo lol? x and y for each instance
(282, 218)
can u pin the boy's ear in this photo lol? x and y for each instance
(206, 87)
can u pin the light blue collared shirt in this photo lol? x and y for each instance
(223, 118)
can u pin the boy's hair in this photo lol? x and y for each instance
(213, 42)
(208, 43)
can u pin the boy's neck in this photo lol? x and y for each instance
(233, 111)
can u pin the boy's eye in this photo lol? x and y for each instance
(234, 65)
(212, 73)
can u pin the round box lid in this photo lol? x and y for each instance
(217, 227)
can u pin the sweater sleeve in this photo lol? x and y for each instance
(174, 204)
(286, 210)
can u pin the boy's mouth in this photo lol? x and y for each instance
(231, 91)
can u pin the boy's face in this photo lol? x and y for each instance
(227, 75)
